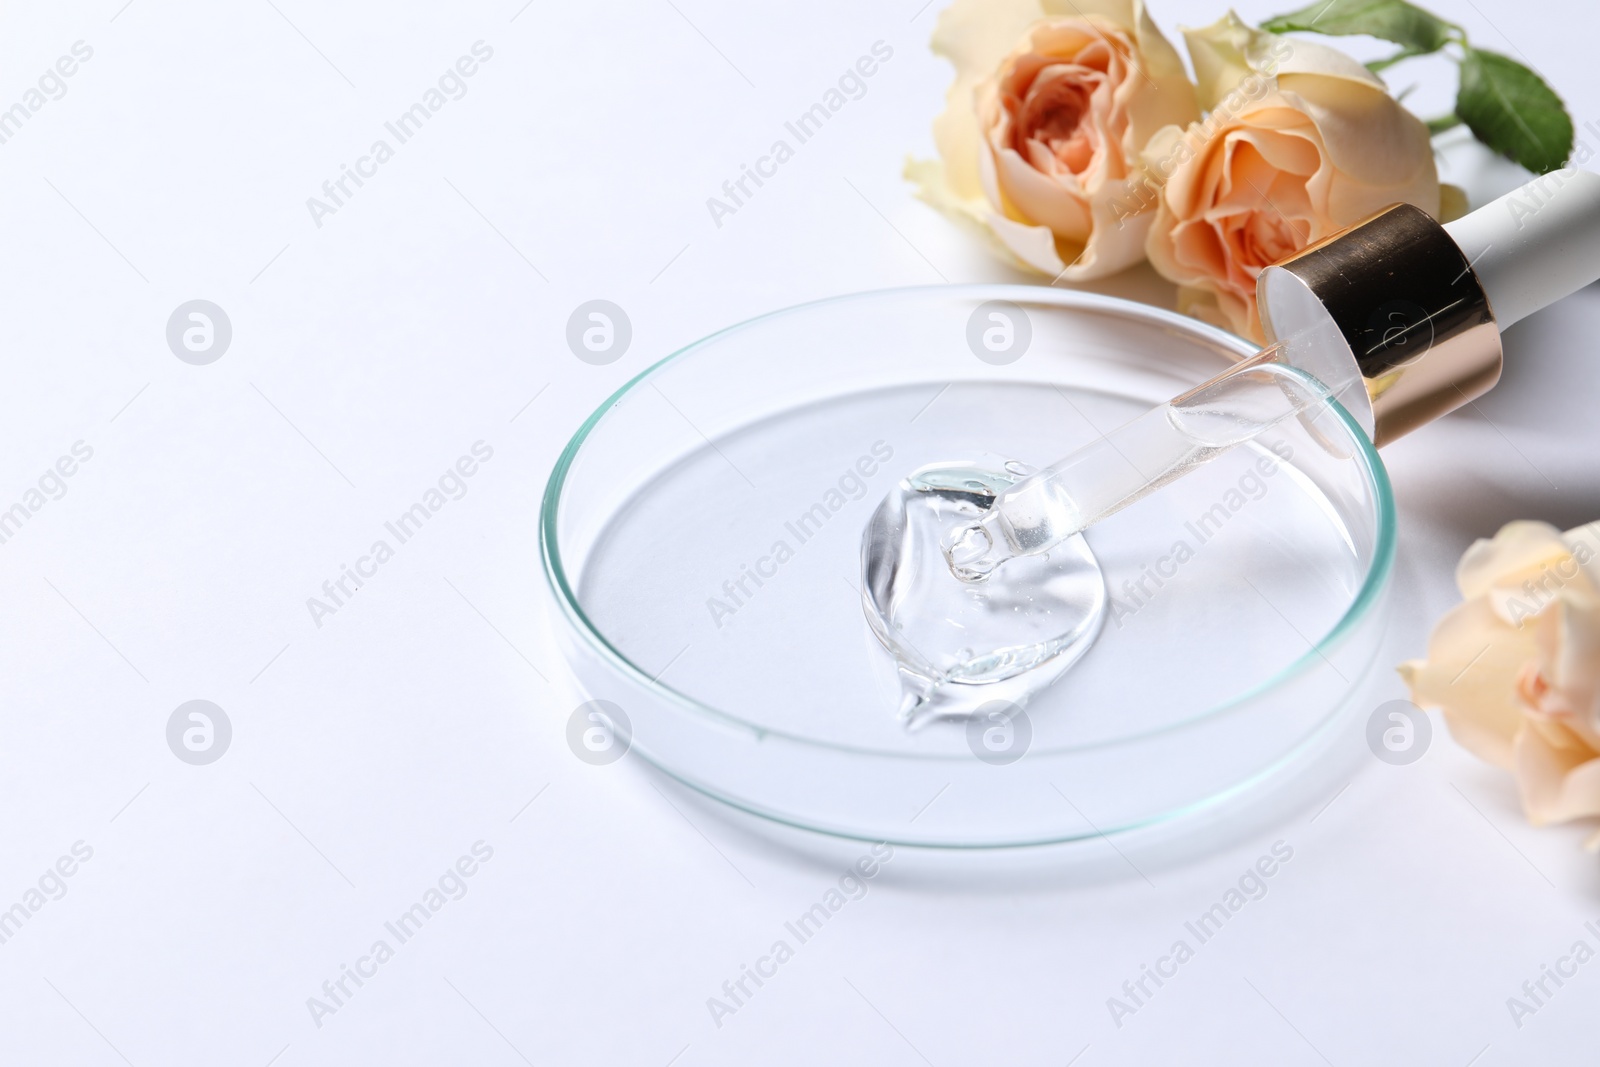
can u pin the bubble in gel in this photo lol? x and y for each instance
(960, 646)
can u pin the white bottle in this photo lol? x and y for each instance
(1401, 316)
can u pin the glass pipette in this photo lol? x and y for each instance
(1397, 317)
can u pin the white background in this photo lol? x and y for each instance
(368, 754)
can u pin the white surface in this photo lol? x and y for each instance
(370, 753)
(1536, 244)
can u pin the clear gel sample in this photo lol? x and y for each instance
(959, 645)
(977, 577)
(1039, 512)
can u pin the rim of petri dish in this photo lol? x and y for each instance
(1366, 599)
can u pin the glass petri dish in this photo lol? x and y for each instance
(701, 535)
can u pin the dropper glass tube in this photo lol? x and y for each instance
(1039, 512)
(1398, 314)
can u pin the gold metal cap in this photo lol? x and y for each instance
(1397, 291)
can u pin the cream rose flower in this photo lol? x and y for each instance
(1300, 141)
(1041, 134)
(1516, 667)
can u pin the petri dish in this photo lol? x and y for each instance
(701, 535)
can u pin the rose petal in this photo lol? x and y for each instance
(974, 35)
(1033, 245)
(1568, 639)
(1584, 541)
(1038, 197)
(1159, 94)
(1383, 153)
(1227, 52)
(1117, 240)
(1470, 674)
(1293, 55)
(1218, 55)
(1558, 776)
(1518, 546)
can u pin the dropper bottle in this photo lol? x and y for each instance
(1397, 317)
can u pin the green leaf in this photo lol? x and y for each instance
(1407, 25)
(1509, 108)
